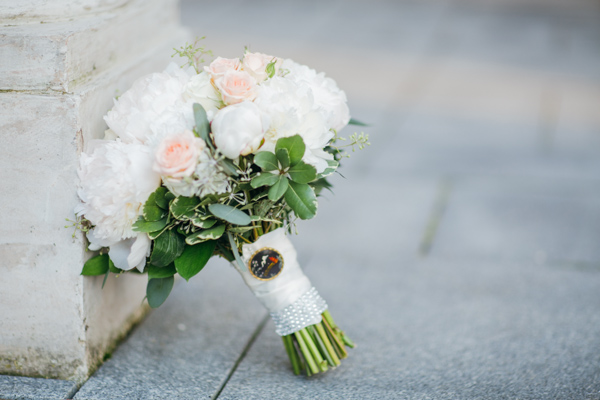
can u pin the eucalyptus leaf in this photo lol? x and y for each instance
(295, 147)
(182, 205)
(356, 122)
(283, 156)
(266, 160)
(204, 235)
(141, 225)
(160, 272)
(302, 200)
(202, 124)
(278, 189)
(194, 258)
(167, 247)
(229, 167)
(229, 214)
(97, 265)
(264, 179)
(302, 173)
(158, 290)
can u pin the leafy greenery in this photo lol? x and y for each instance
(158, 289)
(97, 265)
(268, 190)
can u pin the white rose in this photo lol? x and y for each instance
(115, 182)
(239, 129)
(200, 90)
(136, 111)
(330, 99)
(256, 65)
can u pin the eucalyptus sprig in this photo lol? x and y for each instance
(194, 53)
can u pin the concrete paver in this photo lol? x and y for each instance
(460, 252)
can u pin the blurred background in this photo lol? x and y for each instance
(462, 249)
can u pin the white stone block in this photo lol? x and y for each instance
(56, 323)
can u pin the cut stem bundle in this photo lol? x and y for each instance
(317, 347)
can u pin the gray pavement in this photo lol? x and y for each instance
(461, 252)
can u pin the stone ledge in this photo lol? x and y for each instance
(62, 56)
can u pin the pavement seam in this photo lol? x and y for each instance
(245, 351)
(435, 217)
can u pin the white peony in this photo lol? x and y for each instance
(239, 129)
(140, 114)
(115, 182)
(200, 89)
(292, 110)
(328, 97)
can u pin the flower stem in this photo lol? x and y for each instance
(291, 350)
(310, 362)
(339, 346)
(327, 343)
(321, 345)
(313, 349)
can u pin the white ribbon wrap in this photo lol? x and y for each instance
(289, 297)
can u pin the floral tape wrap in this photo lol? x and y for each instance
(289, 297)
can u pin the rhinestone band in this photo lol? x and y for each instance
(303, 312)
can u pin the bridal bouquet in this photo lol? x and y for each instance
(220, 161)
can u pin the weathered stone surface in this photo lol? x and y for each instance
(63, 55)
(56, 323)
(22, 388)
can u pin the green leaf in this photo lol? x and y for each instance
(97, 265)
(141, 225)
(207, 234)
(229, 214)
(202, 125)
(270, 69)
(182, 205)
(152, 212)
(332, 165)
(167, 247)
(161, 200)
(160, 272)
(158, 290)
(295, 147)
(321, 184)
(301, 198)
(112, 268)
(202, 222)
(155, 234)
(229, 167)
(283, 156)
(264, 179)
(266, 161)
(241, 229)
(356, 122)
(194, 258)
(302, 173)
(278, 189)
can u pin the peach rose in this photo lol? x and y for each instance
(236, 86)
(177, 155)
(218, 67)
(256, 65)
